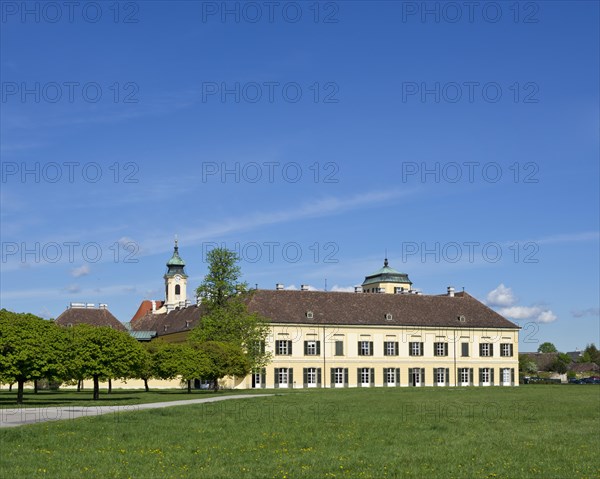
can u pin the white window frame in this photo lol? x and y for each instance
(485, 376)
(339, 377)
(417, 379)
(311, 347)
(440, 373)
(311, 377)
(365, 348)
(505, 350)
(283, 349)
(390, 348)
(284, 376)
(440, 349)
(365, 373)
(415, 348)
(485, 350)
(465, 377)
(390, 374)
(506, 376)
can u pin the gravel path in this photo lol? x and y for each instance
(20, 416)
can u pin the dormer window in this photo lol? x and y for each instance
(388, 316)
(309, 315)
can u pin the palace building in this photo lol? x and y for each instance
(384, 334)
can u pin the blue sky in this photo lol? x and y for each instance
(313, 138)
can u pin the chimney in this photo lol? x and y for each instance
(303, 287)
(153, 305)
(451, 291)
(279, 287)
(358, 289)
(103, 306)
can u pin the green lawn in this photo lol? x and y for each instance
(532, 431)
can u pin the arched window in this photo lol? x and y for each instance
(177, 289)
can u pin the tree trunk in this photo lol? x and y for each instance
(96, 388)
(20, 383)
(189, 386)
(216, 385)
(146, 385)
(79, 381)
(109, 385)
(10, 387)
(35, 386)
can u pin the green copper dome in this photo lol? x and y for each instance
(175, 265)
(386, 275)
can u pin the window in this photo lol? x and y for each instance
(339, 377)
(486, 350)
(484, 375)
(506, 350)
(440, 349)
(416, 376)
(259, 378)
(506, 376)
(339, 348)
(365, 348)
(177, 290)
(284, 377)
(312, 348)
(440, 375)
(283, 347)
(391, 376)
(415, 349)
(365, 376)
(464, 349)
(390, 348)
(312, 377)
(464, 375)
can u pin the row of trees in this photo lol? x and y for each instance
(228, 342)
(561, 362)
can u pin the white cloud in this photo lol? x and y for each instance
(501, 296)
(505, 300)
(82, 270)
(534, 313)
(342, 289)
(580, 313)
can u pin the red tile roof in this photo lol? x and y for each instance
(331, 308)
(92, 316)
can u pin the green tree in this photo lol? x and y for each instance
(180, 360)
(547, 347)
(527, 365)
(222, 281)
(103, 352)
(224, 359)
(590, 355)
(561, 363)
(31, 348)
(227, 319)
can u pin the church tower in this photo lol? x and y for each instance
(175, 280)
(386, 280)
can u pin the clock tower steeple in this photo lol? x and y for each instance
(175, 280)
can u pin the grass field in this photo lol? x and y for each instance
(533, 431)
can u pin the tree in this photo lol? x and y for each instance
(590, 355)
(527, 365)
(547, 347)
(103, 352)
(227, 319)
(173, 360)
(221, 283)
(223, 359)
(31, 348)
(561, 363)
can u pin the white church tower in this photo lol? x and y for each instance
(175, 281)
